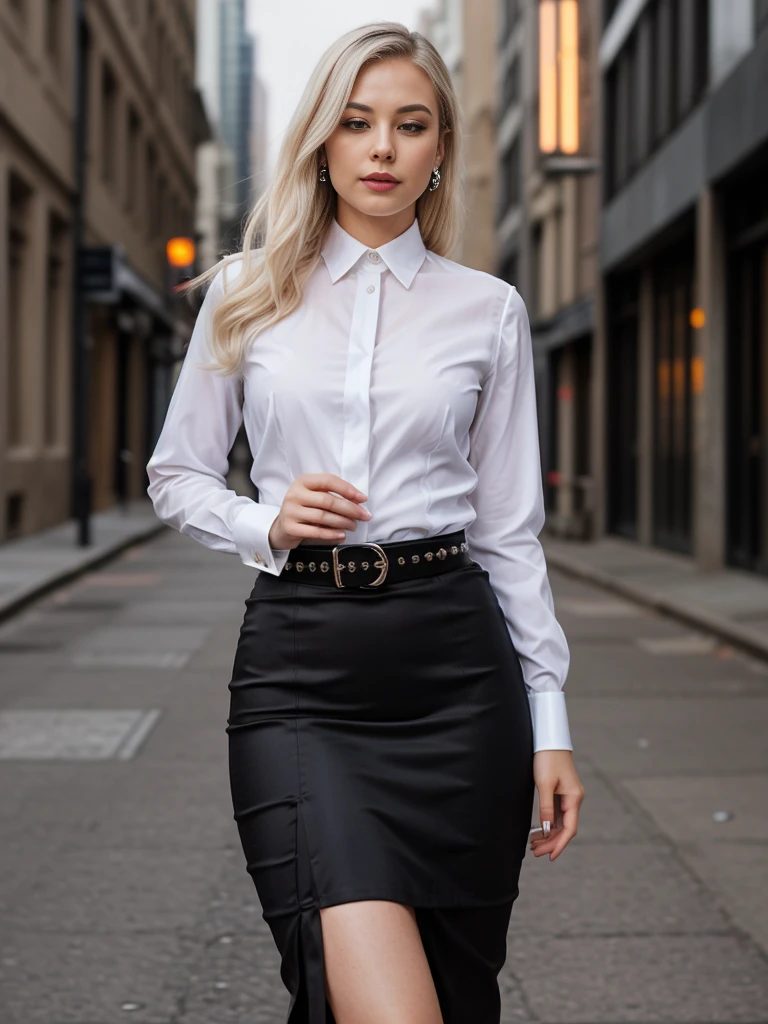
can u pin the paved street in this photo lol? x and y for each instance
(123, 891)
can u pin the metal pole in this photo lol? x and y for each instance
(81, 481)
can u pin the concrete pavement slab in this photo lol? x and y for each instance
(73, 734)
(87, 979)
(161, 889)
(597, 889)
(683, 736)
(731, 856)
(621, 979)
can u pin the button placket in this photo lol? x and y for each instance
(357, 410)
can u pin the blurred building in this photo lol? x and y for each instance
(258, 130)
(144, 120)
(547, 224)
(465, 35)
(236, 68)
(680, 388)
(232, 164)
(216, 170)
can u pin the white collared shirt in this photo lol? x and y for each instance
(411, 377)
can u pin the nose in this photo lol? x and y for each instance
(382, 147)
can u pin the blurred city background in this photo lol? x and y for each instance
(617, 174)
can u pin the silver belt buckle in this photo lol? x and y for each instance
(382, 564)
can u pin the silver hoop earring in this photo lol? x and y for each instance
(435, 180)
(323, 173)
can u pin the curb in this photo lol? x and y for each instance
(13, 605)
(731, 632)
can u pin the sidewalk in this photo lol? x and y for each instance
(36, 564)
(729, 603)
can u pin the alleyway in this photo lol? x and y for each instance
(123, 891)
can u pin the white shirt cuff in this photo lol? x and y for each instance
(550, 720)
(250, 532)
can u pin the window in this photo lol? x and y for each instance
(53, 29)
(508, 271)
(132, 169)
(509, 182)
(510, 89)
(656, 80)
(108, 124)
(558, 77)
(537, 256)
(19, 213)
(150, 190)
(56, 330)
(510, 12)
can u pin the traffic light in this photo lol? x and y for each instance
(180, 253)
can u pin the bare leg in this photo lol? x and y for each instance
(376, 969)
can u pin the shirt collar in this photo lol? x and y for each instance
(403, 255)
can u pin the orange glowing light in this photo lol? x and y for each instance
(180, 252)
(559, 76)
(568, 53)
(698, 317)
(697, 375)
(547, 76)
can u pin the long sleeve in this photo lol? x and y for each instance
(187, 471)
(503, 539)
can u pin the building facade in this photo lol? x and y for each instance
(143, 120)
(465, 35)
(547, 225)
(680, 454)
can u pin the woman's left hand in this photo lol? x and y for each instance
(555, 772)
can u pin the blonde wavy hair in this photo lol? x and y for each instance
(296, 211)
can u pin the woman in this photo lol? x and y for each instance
(397, 687)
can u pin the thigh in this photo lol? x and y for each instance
(466, 947)
(375, 964)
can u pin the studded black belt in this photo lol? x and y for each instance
(373, 565)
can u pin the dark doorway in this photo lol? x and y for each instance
(672, 411)
(622, 299)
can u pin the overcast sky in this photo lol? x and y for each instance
(292, 36)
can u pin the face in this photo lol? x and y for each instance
(390, 128)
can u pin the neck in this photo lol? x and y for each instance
(373, 231)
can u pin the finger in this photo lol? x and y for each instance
(332, 482)
(563, 838)
(326, 517)
(547, 802)
(305, 531)
(331, 503)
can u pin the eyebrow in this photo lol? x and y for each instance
(410, 108)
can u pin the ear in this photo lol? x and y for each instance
(440, 155)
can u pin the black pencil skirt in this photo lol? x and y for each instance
(381, 748)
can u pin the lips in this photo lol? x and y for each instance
(380, 182)
(381, 177)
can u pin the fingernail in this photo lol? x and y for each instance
(368, 514)
(363, 496)
(546, 827)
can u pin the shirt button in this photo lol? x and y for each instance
(374, 257)
(371, 288)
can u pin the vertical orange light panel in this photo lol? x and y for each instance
(547, 76)
(568, 74)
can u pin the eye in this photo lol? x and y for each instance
(415, 125)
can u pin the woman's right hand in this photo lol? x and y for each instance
(311, 512)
